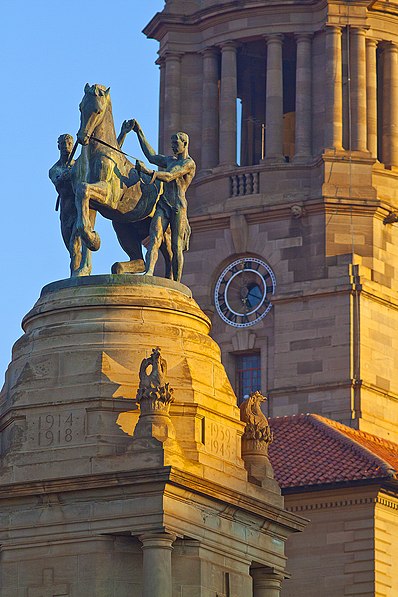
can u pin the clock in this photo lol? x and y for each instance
(243, 292)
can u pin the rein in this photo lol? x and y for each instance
(111, 147)
(114, 149)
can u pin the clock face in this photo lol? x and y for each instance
(243, 291)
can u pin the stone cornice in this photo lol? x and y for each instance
(92, 482)
(383, 6)
(236, 499)
(327, 387)
(383, 499)
(328, 504)
(201, 20)
(266, 212)
(157, 480)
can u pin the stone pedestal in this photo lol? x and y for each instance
(90, 500)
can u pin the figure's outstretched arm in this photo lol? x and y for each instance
(149, 152)
(127, 126)
(176, 172)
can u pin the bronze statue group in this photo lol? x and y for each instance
(139, 201)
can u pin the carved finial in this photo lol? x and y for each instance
(154, 393)
(255, 441)
(257, 427)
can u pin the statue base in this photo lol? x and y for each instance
(84, 487)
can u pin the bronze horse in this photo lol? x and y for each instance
(104, 181)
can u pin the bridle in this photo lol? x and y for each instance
(92, 138)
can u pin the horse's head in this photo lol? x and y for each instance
(92, 110)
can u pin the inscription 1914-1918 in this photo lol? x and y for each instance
(59, 429)
(55, 429)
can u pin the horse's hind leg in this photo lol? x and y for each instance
(130, 237)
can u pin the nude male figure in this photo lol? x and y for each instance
(171, 208)
(60, 175)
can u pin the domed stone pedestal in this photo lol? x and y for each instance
(90, 509)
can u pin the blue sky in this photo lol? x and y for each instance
(49, 50)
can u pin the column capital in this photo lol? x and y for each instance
(229, 45)
(274, 38)
(210, 51)
(372, 42)
(359, 30)
(303, 37)
(264, 578)
(390, 47)
(171, 55)
(332, 28)
(160, 540)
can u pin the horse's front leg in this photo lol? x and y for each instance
(84, 224)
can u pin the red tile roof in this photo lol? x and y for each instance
(311, 450)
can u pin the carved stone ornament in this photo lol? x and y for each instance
(154, 394)
(297, 211)
(257, 430)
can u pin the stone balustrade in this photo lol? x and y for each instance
(244, 183)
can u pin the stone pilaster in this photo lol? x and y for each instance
(162, 73)
(358, 88)
(371, 95)
(390, 105)
(210, 109)
(172, 100)
(228, 95)
(157, 573)
(333, 89)
(303, 97)
(274, 99)
(266, 583)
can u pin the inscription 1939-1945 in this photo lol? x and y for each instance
(222, 441)
(55, 429)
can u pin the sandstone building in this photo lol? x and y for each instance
(316, 180)
(292, 109)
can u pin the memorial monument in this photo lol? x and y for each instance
(126, 469)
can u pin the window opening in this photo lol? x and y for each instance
(248, 366)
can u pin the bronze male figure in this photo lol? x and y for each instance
(171, 208)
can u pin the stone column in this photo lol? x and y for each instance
(274, 99)
(390, 105)
(393, 51)
(162, 68)
(303, 97)
(358, 88)
(266, 583)
(210, 112)
(172, 101)
(371, 95)
(157, 573)
(333, 89)
(228, 95)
